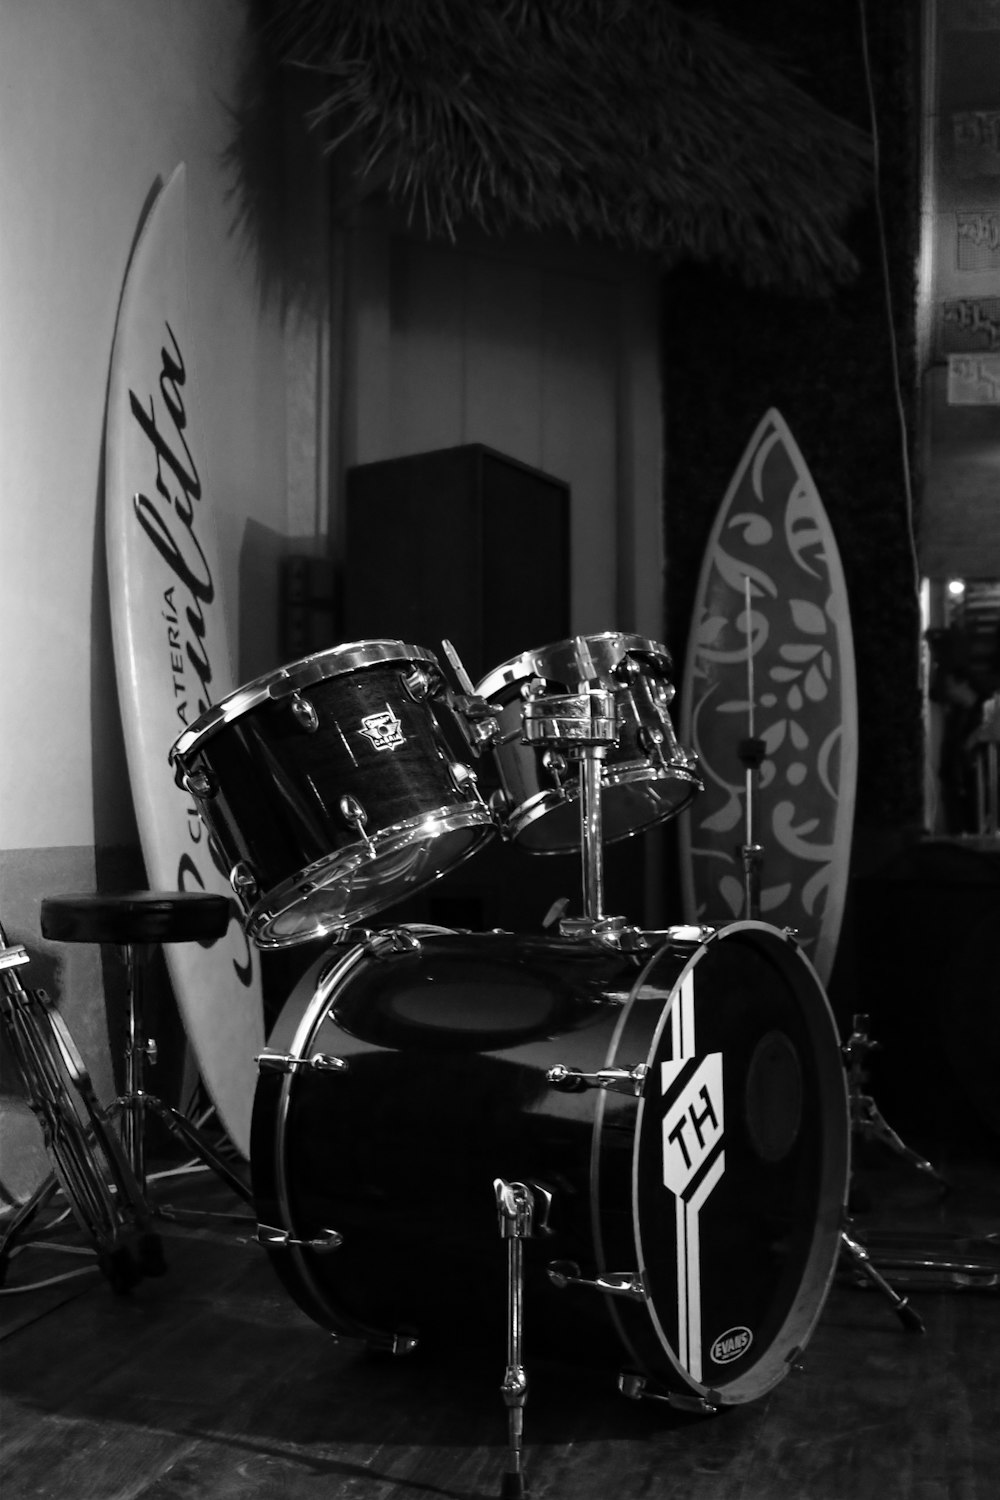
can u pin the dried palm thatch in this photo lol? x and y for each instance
(629, 120)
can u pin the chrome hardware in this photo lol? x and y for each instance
(403, 1343)
(515, 1208)
(463, 776)
(284, 1062)
(475, 715)
(499, 805)
(556, 765)
(244, 882)
(304, 712)
(651, 741)
(392, 940)
(571, 720)
(355, 816)
(615, 1080)
(200, 784)
(281, 1239)
(13, 957)
(610, 931)
(635, 1387)
(564, 1273)
(417, 684)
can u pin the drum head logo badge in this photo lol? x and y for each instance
(730, 1345)
(383, 729)
(694, 1158)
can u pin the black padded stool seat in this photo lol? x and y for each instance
(135, 917)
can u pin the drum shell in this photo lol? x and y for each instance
(448, 1051)
(274, 810)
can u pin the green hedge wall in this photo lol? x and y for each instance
(825, 363)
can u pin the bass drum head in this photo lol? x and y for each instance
(740, 1165)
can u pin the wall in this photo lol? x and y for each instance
(97, 101)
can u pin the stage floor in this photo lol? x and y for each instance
(209, 1382)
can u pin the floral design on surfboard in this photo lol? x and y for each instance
(772, 546)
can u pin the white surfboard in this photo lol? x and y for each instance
(772, 534)
(172, 643)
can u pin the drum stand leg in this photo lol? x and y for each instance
(134, 1103)
(861, 1262)
(866, 1117)
(515, 1208)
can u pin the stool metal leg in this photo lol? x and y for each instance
(136, 1103)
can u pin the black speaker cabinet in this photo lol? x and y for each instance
(462, 543)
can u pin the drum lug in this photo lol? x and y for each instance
(199, 784)
(280, 1239)
(565, 1273)
(416, 683)
(355, 817)
(305, 714)
(557, 766)
(244, 883)
(284, 1062)
(615, 1080)
(464, 777)
(637, 1387)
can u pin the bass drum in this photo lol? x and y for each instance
(694, 1225)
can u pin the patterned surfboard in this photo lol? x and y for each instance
(793, 654)
(171, 641)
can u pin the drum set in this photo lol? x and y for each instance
(654, 1124)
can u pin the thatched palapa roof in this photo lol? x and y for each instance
(633, 121)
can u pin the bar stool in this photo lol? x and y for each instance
(134, 921)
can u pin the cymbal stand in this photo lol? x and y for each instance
(946, 1263)
(867, 1120)
(88, 1162)
(751, 752)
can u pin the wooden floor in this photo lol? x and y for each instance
(209, 1382)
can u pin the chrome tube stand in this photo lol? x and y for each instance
(583, 727)
(515, 1210)
(751, 753)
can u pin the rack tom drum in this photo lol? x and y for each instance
(645, 776)
(329, 788)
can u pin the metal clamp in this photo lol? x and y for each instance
(392, 940)
(566, 1273)
(636, 1387)
(615, 1080)
(284, 1062)
(283, 1239)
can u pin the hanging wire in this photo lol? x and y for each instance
(887, 290)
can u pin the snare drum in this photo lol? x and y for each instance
(329, 789)
(645, 777)
(681, 1115)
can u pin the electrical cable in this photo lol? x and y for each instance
(887, 291)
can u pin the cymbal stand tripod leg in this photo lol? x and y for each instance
(88, 1163)
(866, 1117)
